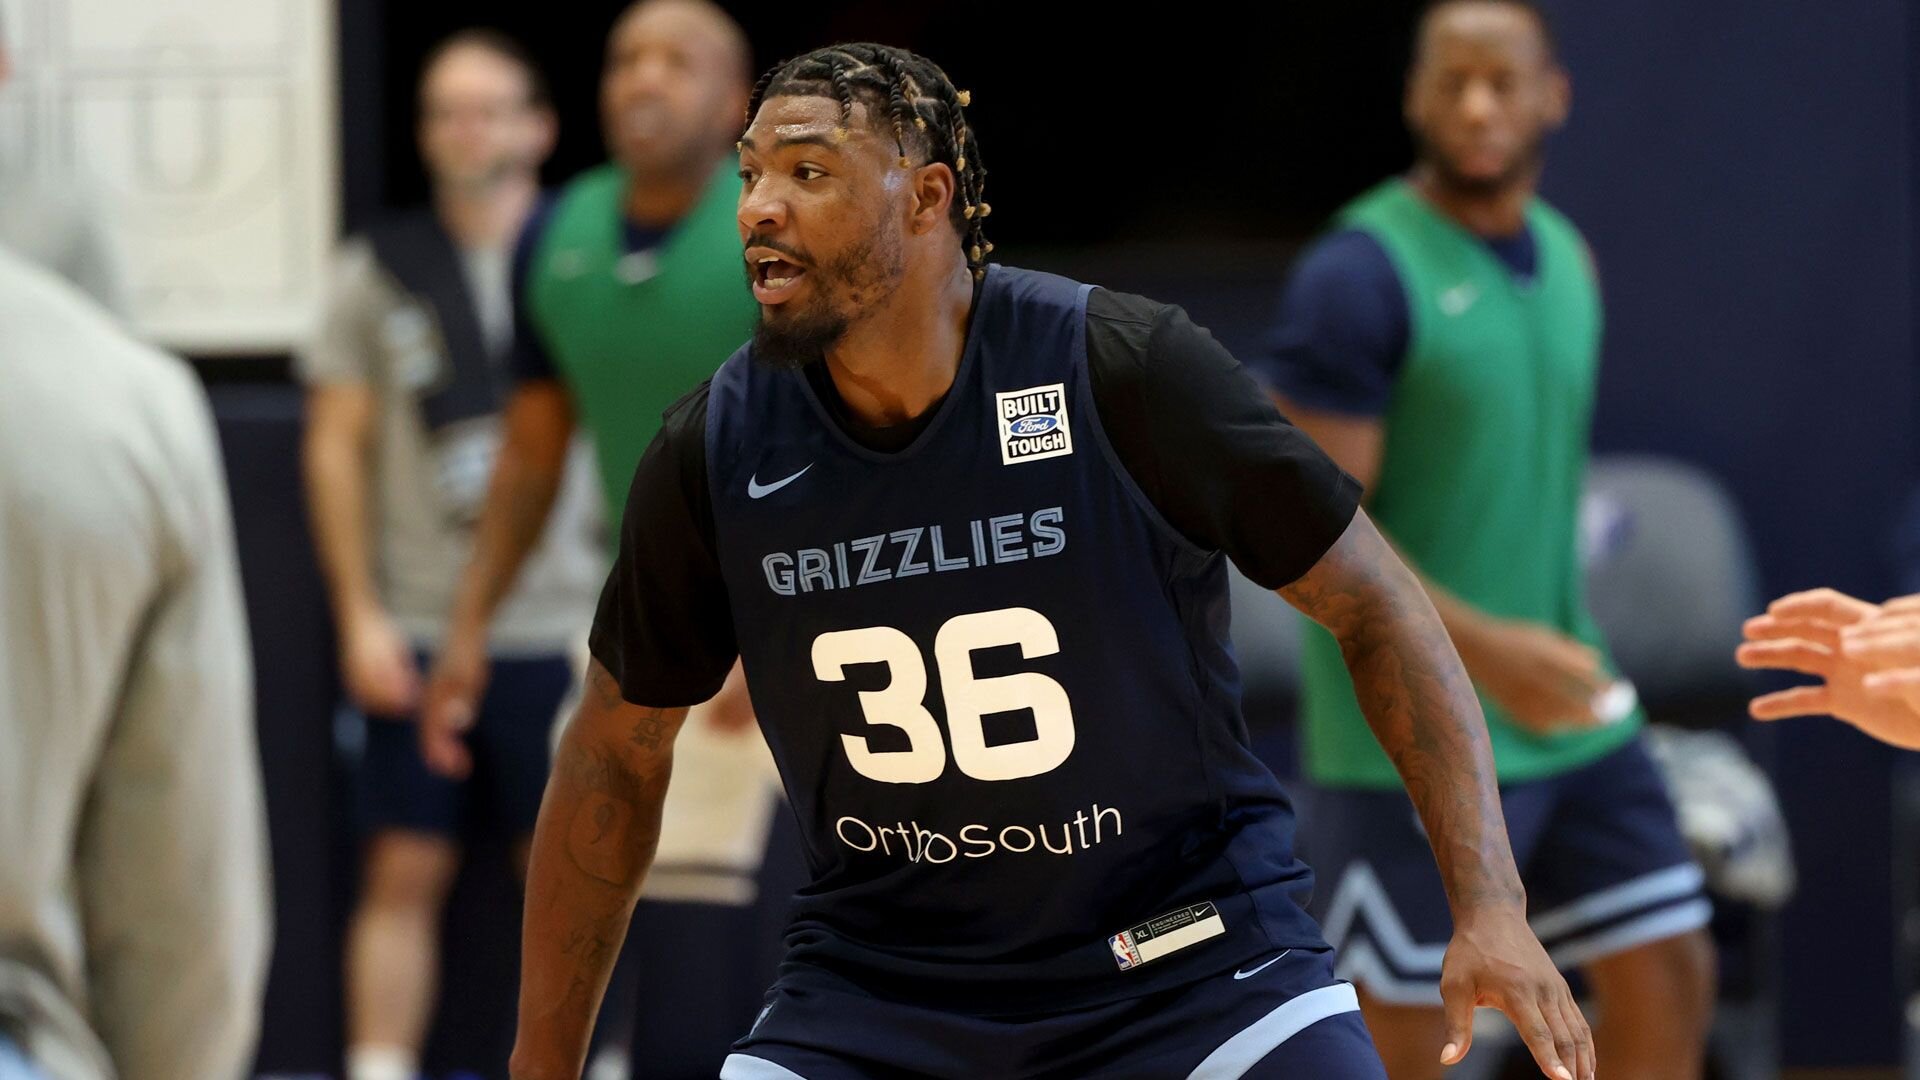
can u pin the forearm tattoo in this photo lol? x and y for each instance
(1421, 706)
(618, 790)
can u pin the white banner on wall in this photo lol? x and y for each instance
(204, 129)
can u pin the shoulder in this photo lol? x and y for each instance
(684, 423)
(1343, 262)
(1130, 337)
(91, 386)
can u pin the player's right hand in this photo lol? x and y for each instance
(377, 665)
(453, 702)
(1495, 961)
(1545, 680)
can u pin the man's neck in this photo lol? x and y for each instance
(660, 199)
(488, 216)
(900, 362)
(1483, 213)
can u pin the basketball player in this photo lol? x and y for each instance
(1866, 655)
(1442, 344)
(964, 524)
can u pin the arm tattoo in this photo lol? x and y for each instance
(649, 731)
(1420, 705)
(619, 788)
(599, 827)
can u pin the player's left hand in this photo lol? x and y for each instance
(1495, 961)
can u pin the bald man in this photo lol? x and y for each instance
(628, 287)
(629, 294)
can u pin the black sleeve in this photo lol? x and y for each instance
(664, 629)
(1207, 446)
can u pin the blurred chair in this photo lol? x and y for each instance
(1656, 531)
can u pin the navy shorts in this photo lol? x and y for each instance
(511, 756)
(1605, 868)
(1281, 1017)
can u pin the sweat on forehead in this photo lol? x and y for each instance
(802, 114)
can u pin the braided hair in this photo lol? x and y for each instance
(915, 97)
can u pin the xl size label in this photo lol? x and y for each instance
(1165, 934)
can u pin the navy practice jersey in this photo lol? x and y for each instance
(995, 677)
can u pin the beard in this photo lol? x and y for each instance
(1525, 163)
(797, 338)
(842, 288)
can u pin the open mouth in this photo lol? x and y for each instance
(775, 278)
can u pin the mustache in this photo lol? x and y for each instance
(797, 256)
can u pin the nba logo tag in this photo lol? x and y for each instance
(1033, 423)
(1123, 951)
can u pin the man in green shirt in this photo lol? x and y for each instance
(629, 287)
(1441, 344)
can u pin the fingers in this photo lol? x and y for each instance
(1542, 1036)
(1458, 1002)
(1825, 604)
(400, 685)
(1900, 682)
(445, 753)
(1580, 664)
(1889, 640)
(1890, 621)
(1799, 701)
(1791, 654)
(1583, 678)
(1584, 1061)
(1902, 605)
(383, 682)
(443, 723)
(1776, 627)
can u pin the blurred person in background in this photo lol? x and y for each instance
(630, 293)
(54, 221)
(406, 381)
(134, 904)
(1866, 655)
(1442, 344)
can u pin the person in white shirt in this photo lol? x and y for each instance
(54, 220)
(134, 907)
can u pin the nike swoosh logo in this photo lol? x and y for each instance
(1457, 300)
(757, 490)
(1250, 974)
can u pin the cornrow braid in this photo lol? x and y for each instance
(923, 110)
